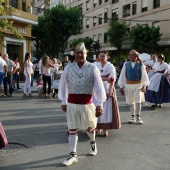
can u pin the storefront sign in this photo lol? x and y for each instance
(21, 30)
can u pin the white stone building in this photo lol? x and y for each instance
(96, 12)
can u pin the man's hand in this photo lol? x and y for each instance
(121, 91)
(99, 111)
(64, 108)
(143, 89)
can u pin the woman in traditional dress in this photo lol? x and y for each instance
(149, 64)
(158, 91)
(111, 117)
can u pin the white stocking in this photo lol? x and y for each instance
(138, 108)
(132, 109)
(91, 135)
(73, 138)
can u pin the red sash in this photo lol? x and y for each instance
(80, 98)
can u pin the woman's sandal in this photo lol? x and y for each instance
(106, 133)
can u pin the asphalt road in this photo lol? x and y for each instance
(36, 130)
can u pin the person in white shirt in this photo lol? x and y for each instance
(158, 92)
(3, 71)
(11, 68)
(40, 63)
(28, 70)
(149, 64)
(79, 81)
(46, 74)
(111, 117)
(134, 78)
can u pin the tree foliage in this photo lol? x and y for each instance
(117, 31)
(144, 38)
(55, 28)
(5, 24)
(95, 47)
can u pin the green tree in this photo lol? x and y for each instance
(58, 24)
(95, 47)
(5, 24)
(144, 38)
(42, 43)
(117, 32)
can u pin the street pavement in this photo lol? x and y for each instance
(36, 130)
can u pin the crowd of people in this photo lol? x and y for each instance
(87, 90)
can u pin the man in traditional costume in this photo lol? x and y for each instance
(135, 79)
(79, 81)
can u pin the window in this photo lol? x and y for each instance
(100, 2)
(105, 37)
(156, 4)
(87, 23)
(156, 24)
(100, 19)
(87, 5)
(115, 14)
(126, 10)
(23, 5)
(115, 1)
(94, 3)
(94, 21)
(14, 3)
(105, 17)
(144, 5)
(100, 38)
(134, 8)
(106, 0)
(94, 38)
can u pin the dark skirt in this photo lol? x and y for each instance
(163, 94)
(116, 123)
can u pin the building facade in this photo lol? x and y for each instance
(98, 12)
(39, 6)
(22, 20)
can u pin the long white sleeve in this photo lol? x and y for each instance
(122, 78)
(113, 72)
(98, 90)
(144, 79)
(63, 88)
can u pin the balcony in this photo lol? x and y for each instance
(22, 16)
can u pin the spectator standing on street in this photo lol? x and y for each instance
(65, 62)
(11, 68)
(40, 63)
(16, 76)
(28, 70)
(111, 116)
(46, 75)
(36, 71)
(3, 71)
(134, 78)
(79, 81)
